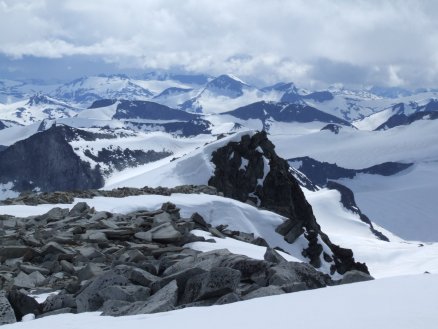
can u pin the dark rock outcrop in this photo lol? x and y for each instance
(23, 304)
(250, 170)
(47, 161)
(320, 172)
(401, 119)
(283, 112)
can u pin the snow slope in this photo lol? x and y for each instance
(384, 259)
(404, 203)
(403, 303)
(192, 168)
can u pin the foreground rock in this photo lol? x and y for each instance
(136, 263)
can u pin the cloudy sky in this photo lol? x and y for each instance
(310, 42)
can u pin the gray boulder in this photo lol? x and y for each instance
(263, 292)
(58, 301)
(165, 233)
(355, 276)
(271, 255)
(232, 297)
(136, 275)
(89, 300)
(294, 287)
(114, 307)
(79, 209)
(55, 214)
(164, 300)
(89, 271)
(8, 252)
(125, 293)
(251, 269)
(58, 311)
(7, 315)
(215, 283)
(54, 248)
(294, 272)
(22, 280)
(181, 278)
(26, 268)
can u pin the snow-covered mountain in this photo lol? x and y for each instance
(12, 91)
(222, 94)
(86, 90)
(37, 108)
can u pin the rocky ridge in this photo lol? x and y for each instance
(135, 263)
(250, 170)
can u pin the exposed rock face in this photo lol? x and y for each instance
(251, 170)
(46, 160)
(320, 172)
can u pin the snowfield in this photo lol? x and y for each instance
(407, 302)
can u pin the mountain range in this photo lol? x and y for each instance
(116, 186)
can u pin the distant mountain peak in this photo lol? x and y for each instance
(39, 99)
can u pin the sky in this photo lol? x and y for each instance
(311, 42)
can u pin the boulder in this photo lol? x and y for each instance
(22, 280)
(55, 214)
(26, 268)
(8, 252)
(293, 272)
(251, 269)
(89, 300)
(54, 248)
(181, 278)
(114, 307)
(215, 283)
(271, 255)
(165, 233)
(89, 271)
(58, 301)
(125, 293)
(23, 304)
(162, 301)
(263, 292)
(58, 311)
(229, 298)
(355, 276)
(294, 287)
(7, 315)
(79, 209)
(136, 275)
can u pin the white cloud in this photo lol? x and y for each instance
(281, 39)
